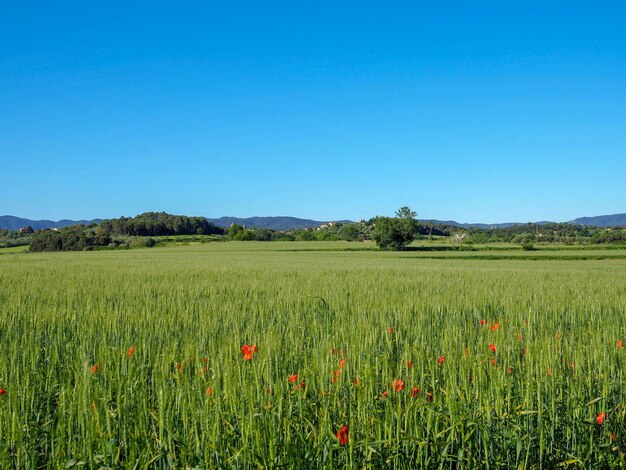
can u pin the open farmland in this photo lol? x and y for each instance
(117, 358)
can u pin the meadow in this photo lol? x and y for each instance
(312, 354)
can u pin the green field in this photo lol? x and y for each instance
(323, 311)
(14, 249)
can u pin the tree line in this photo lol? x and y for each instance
(389, 233)
(114, 233)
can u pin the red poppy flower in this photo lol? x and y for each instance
(179, 367)
(342, 363)
(390, 329)
(600, 418)
(549, 372)
(409, 364)
(131, 351)
(524, 352)
(415, 392)
(519, 337)
(467, 351)
(94, 368)
(356, 382)
(398, 385)
(205, 360)
(385, 394)
(302, 385)
(248, 351)
(441, 359)
(493, 361)
(571, 364)
(620, 344)
(336, 375)
(2, 392)
(342, 435)
(612, 436)
(209, 391)
(509, 370)
(483, 322)
(494, 326)
(293, 378)
(493, 348)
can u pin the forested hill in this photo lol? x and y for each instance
(280, 223)
(9, 222)
(112, 232)
(615, 220)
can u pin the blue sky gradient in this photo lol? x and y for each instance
(473, 111)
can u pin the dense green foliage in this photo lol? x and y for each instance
(10, 238)
(389, 233)
(74, 238)
(546, 233)
(159, 223)
(394, 233)
(183, 396)
(113, 232)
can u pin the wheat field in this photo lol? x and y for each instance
(251, 354)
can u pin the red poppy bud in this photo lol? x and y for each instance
(342, 435)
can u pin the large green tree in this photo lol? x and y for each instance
(395, 233)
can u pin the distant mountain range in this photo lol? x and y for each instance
(292, 223)
(614, 220)
(14, 223)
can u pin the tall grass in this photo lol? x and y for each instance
(184, 396)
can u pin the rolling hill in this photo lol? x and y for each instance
(294, 223)
(615, 220)
(14, 223)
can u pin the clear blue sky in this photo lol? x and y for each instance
(474, 111)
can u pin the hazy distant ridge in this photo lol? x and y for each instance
(14, 223)
(615, 220)
(293, 223)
